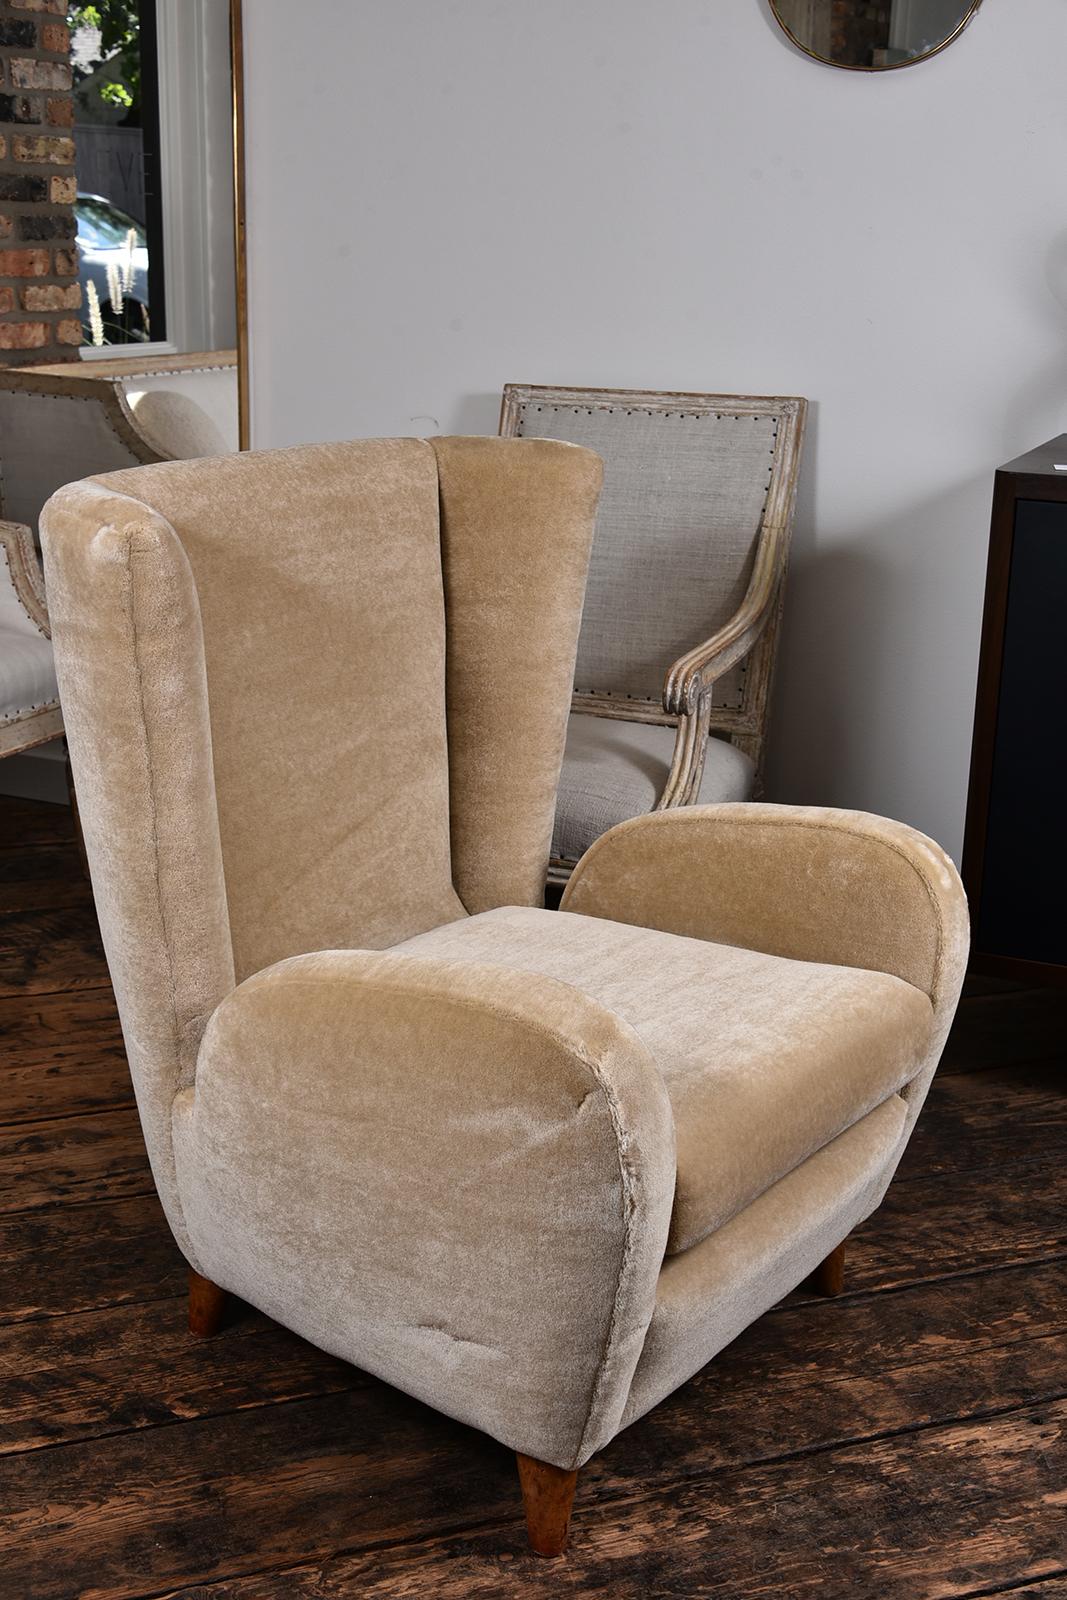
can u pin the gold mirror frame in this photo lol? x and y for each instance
(237, 62)
(892, 66)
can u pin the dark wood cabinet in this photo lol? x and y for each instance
(1015, 847)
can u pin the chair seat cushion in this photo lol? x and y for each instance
(27, 672)
(765, 1060)
(614, 770)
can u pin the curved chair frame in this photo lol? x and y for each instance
(36, 724)
(750, 634)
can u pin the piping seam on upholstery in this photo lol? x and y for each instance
(131, 612)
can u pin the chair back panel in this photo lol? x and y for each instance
(516, 527)
(318, 577)
(685, 488)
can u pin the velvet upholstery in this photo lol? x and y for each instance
(331, 1077)
(534, 1168)
(789, 1055)
(514, 604)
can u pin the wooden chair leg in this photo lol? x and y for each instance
(829, 1276)
(547, 1498)
(207, 1302)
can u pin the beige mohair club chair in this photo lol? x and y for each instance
(680, 627)
(533, 1167)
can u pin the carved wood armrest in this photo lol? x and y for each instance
(24, 572)
(692, 675)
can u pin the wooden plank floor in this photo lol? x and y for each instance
(905, 1442)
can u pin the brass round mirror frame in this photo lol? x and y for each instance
(846, 66)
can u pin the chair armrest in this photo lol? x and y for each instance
(458, 1176)
(814, 884)
(693, 674)
(22, 572)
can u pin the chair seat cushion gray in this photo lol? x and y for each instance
(615, 770)
(765, 1060)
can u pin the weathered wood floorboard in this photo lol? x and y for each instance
(63, 1055)
(42, 952)
(945, 1512)
(25, 824)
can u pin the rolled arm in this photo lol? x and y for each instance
(457, 1176)
(815, 884)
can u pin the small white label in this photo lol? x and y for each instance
(1060, 466)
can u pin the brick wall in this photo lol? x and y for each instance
(40, 297)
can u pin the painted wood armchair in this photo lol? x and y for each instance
(29, 696)
(535, 1168)
(680, 626)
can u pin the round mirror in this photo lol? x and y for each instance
(873, 35)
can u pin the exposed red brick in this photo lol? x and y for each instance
(63, 191)
(23, 335)
(59, 150)
(25, 263)
(54, 8)
(27, 74)
(66, 263)
(7, 299)
(51, 297)
(69, 331)
(56, 36)
(6, 225)
(61, 112)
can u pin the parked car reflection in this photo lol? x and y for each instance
(113, 267)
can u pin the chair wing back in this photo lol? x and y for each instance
(315, 617)
(686, 483)
(251, 653)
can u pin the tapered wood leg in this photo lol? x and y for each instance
(207, 1302)
(829, 1276)
(547, 1497)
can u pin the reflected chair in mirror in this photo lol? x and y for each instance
(533, 1167)
(680, 624)
(65, 422)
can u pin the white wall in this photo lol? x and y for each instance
(447, 194)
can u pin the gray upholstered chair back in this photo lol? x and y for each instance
(686, 488)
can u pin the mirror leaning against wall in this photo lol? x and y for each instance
(873, 35)
(119, 288)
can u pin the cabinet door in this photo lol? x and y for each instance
(1023, 902)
